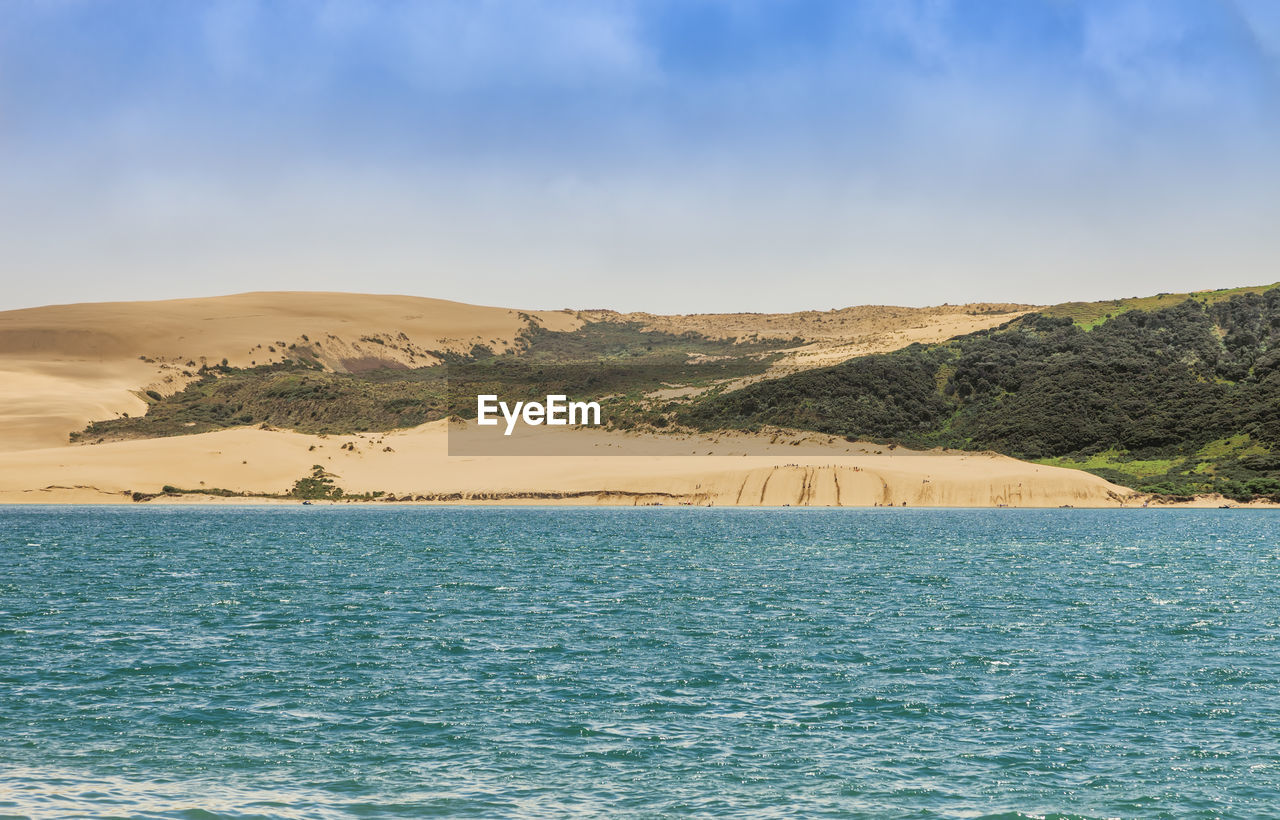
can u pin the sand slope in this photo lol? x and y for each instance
(240, 327)
(830, 336)
(63, 366)
(414, 464)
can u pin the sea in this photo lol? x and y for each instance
(365, 662)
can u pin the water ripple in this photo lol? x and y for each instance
(234, 663)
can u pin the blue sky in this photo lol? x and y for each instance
(699, 155)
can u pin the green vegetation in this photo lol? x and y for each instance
(169, 489)
(316, 486)
(294, 396)
(619, 385)
(1090, 314)
(615, 362)
(1236, 466)
(1177, 401)
(615, 341)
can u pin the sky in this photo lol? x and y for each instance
(660, 155)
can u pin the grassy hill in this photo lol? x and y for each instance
(1089, 314)
(1177, 400)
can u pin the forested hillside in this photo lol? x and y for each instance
(1178, 400)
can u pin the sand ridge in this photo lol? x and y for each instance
(827, 337)
(62, 366)
(831, 336)
(241, 327)
(838, 325)
(414, 465)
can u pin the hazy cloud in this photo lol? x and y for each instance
(691, 155)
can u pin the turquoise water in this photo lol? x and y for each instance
(406, 662)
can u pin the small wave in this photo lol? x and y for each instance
(44, 794)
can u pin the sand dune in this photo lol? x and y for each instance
(63, 366)
(42, 400)
(240, 328)
(829, 336)
(415, 465)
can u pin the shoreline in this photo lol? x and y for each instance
(80, 497)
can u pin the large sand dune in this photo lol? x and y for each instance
(62, 366)
(239, 327)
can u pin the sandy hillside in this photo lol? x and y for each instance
(414, 465)
(829, 336)
(844, 325)
(64, 365)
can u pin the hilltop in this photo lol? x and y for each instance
(1172, 395)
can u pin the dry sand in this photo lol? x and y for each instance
(62, 366)
(863, 323)
(415, 465)
(830, 336)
